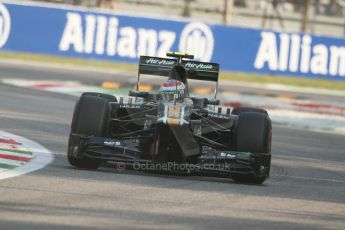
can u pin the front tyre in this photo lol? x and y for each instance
(254, 134)
(90, 118)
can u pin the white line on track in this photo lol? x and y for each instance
(316, 179)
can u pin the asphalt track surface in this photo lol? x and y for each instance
(306, 189)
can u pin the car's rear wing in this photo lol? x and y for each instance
(205, 71)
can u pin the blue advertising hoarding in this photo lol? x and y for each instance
(92, 34)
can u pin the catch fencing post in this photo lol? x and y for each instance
(227, 10)
(305, 15)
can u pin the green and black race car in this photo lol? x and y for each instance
(170, 130)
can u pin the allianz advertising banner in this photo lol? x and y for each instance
(53, 30)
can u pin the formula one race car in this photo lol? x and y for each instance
(169, 130)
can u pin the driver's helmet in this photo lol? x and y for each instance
(172, 90)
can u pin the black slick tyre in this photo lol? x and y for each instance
(90, 118)
(253, 134)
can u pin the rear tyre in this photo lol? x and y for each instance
(253, 134)
(90, 117)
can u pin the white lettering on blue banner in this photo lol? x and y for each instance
(297, 53)
(5, 25)
(102, 35)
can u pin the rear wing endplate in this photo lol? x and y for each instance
(205, 71)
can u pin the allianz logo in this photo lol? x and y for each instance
(5, 25)
(296, 53)
(102, 35)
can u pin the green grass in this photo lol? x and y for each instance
(132, 68)
(70, 61)
(284, 80)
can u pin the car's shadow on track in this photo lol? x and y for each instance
(283, 182)
(177, 175)
(168, 175)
